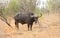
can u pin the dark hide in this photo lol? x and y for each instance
(25, 18)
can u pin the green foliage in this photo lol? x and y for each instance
(38, 12)
(12, 8)
(13, 5)
(54, 5)
(50, 5)
(27, 5)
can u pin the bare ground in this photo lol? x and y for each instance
(49, 28)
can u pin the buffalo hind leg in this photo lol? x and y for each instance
(28, 27)
(16, 24)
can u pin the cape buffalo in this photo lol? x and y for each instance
(25, 18)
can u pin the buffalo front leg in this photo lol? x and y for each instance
(31, 27)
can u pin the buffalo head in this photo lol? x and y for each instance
(35, 17)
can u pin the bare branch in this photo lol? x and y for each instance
(2, 17)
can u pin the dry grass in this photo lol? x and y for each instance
(49, 28)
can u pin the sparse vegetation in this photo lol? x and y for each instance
(50, 20)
